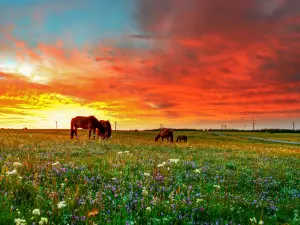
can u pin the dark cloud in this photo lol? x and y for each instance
(238, 19)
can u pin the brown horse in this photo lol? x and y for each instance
(84, 122)
(181, 137)
(104, 129)
(165, 133)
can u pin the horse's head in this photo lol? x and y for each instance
(156, 138)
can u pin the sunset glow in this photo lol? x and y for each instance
(142, 63)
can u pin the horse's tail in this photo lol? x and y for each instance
(108, 129)
(171, 134)
(72, 130)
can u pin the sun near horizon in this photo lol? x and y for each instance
(142, 65)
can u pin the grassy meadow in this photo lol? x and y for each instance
(48, 179)
(293, 137)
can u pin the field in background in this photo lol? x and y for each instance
(45, 177)
(294, 137)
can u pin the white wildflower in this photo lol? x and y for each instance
(148, 209)
(197, 171)
(162, 164)
(144, 192)
(43, 221)
(62, 185)
(119, 153)
(126, 152)
(56, 164)
(19, 221)
(174, 161)
(11, 172)
(199, 200)
(61, 204)
(147, 175)
(217, 187)
(261, 222)
(36, 212)
(17, 164)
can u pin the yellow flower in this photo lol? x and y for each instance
(94, 212)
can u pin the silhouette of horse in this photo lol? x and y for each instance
(84, 122)
(165, 133)
(104, 129)
(181, 137)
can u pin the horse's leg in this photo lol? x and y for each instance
(75, 131)
(94, 134)
(90, 131)
(71, 136)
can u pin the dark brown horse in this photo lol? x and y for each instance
(165, 133)
(104, 129)
(181, 138)
(84, 122)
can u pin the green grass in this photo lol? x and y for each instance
(216, 179)
(294, 137)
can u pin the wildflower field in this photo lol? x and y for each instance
(48, 179)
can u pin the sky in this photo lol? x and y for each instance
(141, 63)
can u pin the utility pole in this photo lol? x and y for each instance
(161, 126)
(225, 127)
(115, 125)
(253, 123)
(56, 124)
(293, 125)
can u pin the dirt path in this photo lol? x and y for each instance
(258, 138)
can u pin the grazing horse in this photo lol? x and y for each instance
(165, 133)
(104, 129)
(181, 137)
(84, 122)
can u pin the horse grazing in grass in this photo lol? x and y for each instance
(181, 138)
(165, 133)
(84, 122)
(104, 129)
